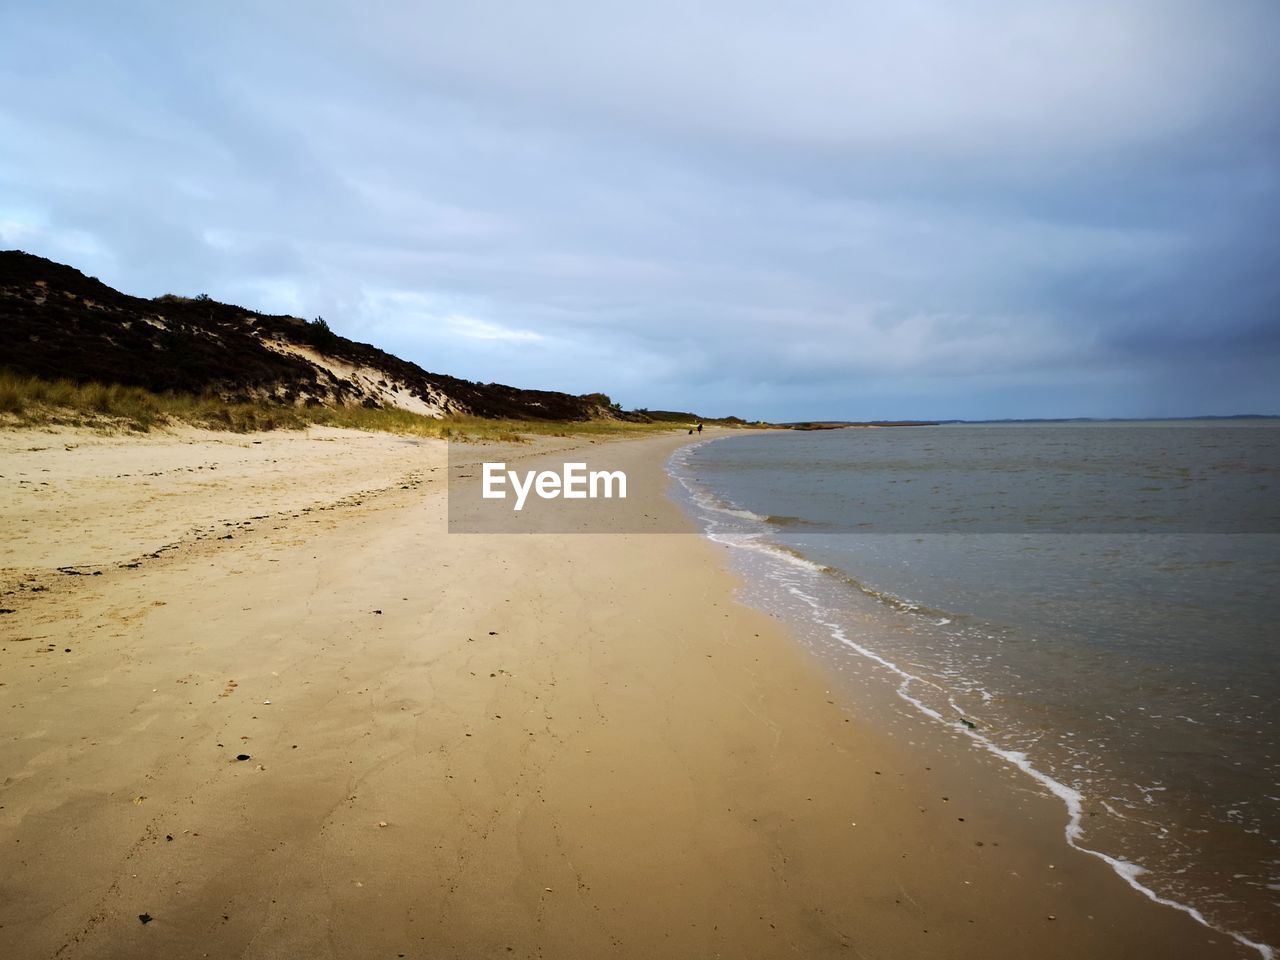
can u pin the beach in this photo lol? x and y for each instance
(465, 745)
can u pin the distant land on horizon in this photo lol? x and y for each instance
(1232, 416)
(837, 424)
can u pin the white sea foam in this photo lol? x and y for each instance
(713, 508)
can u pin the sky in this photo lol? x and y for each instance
(835, 210)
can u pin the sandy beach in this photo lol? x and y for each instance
(485, 745)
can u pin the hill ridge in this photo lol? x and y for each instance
(57, 322)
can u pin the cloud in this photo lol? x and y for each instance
(997, 81)
(474, 329)
(914, 209)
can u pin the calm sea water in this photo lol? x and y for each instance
(1097, 604)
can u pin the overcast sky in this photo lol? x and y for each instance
(841, 210)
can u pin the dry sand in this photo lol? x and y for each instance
(463, 745)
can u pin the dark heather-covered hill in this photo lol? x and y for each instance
(57, 323)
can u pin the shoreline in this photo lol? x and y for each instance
(505, 745)
(816, 625)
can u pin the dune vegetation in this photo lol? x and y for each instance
(27, 401)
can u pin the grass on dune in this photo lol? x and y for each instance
(34, 402)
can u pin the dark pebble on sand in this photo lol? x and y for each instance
(242, 756)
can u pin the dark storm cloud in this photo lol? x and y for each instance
(824, 210)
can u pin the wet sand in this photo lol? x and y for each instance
(457, 745)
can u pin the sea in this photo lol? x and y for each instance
(1096, 604)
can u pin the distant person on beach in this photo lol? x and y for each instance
(699, 428)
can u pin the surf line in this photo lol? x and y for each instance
(1072, 799)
